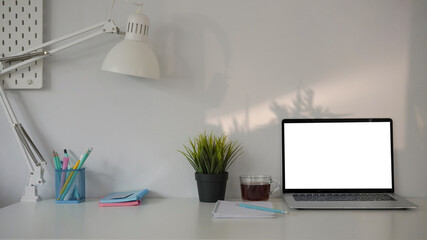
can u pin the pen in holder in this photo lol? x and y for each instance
(70, 185)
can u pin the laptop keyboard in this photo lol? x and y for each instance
(342, 197)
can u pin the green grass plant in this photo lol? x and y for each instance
(211, 154)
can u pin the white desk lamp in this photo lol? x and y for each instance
(132, 56)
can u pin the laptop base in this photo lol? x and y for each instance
(400, 203)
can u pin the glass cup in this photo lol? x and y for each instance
(257, 187)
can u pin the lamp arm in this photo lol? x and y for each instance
(34, 160)
(107, 27)
(29, 150)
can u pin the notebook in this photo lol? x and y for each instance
(339, 164)
(129, 196)
(120, 204)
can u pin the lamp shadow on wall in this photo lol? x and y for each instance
(199, 54)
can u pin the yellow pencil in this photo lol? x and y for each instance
(68, 179)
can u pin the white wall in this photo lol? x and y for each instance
(238, 66)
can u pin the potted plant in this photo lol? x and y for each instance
(210, 156)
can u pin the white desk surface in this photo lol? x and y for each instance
(190, 219)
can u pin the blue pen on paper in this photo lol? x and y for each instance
(262, 208)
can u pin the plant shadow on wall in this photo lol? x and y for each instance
(263, 143)
(303, 106)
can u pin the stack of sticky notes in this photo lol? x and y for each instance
(117, 199)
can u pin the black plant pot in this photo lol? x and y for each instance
(211, 187)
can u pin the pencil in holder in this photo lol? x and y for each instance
(70, 185)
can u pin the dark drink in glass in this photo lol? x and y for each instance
(255, 192)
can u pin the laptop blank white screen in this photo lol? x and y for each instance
(337, 155)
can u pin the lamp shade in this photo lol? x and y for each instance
(133, 56)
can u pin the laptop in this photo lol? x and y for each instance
(339, 164)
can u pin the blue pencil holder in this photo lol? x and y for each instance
(70, 185)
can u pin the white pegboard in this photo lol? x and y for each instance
(21, 24)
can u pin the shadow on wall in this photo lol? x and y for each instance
(262, 145)
(303, 106)
(195, 46)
